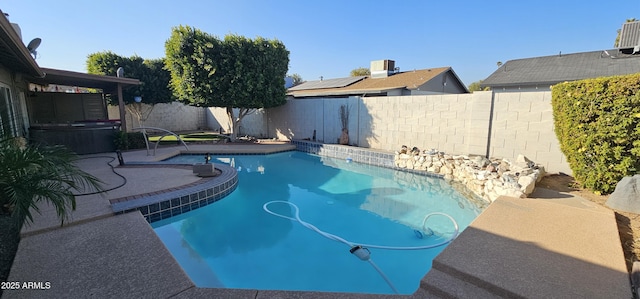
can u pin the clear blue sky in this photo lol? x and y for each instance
(330, 38)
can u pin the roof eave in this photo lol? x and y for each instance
(343, 92)
(15, 45)
(70, 78)
(514, 84)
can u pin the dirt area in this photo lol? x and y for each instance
(628, 223)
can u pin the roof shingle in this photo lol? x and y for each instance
(409, 80)
(565, 67)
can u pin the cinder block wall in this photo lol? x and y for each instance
(172, 116)
(520, 123)
(253, 124)
(523, 124)
(297, 119)
(455, 123)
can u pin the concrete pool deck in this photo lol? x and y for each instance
(560, 246)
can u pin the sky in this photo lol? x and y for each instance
(329, 38)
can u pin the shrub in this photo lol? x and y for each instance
(597, 122)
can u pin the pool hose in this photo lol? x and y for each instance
(124, 182)
(361, 250)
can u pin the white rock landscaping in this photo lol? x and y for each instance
(487, 178)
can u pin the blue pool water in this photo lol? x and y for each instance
(235, 243)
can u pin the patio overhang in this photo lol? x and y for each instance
(108, 84)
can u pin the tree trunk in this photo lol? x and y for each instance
(236, 121)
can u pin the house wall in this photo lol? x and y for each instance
(13, 112)
(437, 84)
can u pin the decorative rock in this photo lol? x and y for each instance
(541, 173)
(528, 184)
(626, 196)
(523, 162)
(503, 167)
(492, 196)
(481, 161)
(508, 178)
(486, 178)
(515, 193)
(445, 170)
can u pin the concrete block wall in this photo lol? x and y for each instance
(254, 124)
(520, 123)
(523, 124)
(297, 119)
(172, 116)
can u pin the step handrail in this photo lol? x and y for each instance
(167, 133)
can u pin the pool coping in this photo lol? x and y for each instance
(164, 204)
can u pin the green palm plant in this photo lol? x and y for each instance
(32, 174)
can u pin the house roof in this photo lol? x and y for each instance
(329, 83)
(13, 53)
(549, 70)
(402, 80)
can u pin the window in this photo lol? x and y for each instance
(8, 126)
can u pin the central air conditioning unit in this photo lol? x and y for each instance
(382, 68)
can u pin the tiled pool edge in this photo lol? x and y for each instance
(355, 154)
(165, 204)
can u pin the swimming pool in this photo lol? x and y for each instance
(236, 243)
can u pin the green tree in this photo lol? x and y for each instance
(234, 73)
(297, 79)
(615, 44)
(361, 71)
(154, 79)
(154, 87)
(30, 175)
(475, 86)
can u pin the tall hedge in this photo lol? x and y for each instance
(597, 122)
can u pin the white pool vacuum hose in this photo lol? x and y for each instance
(361, 250)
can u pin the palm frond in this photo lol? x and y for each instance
(33, 174)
